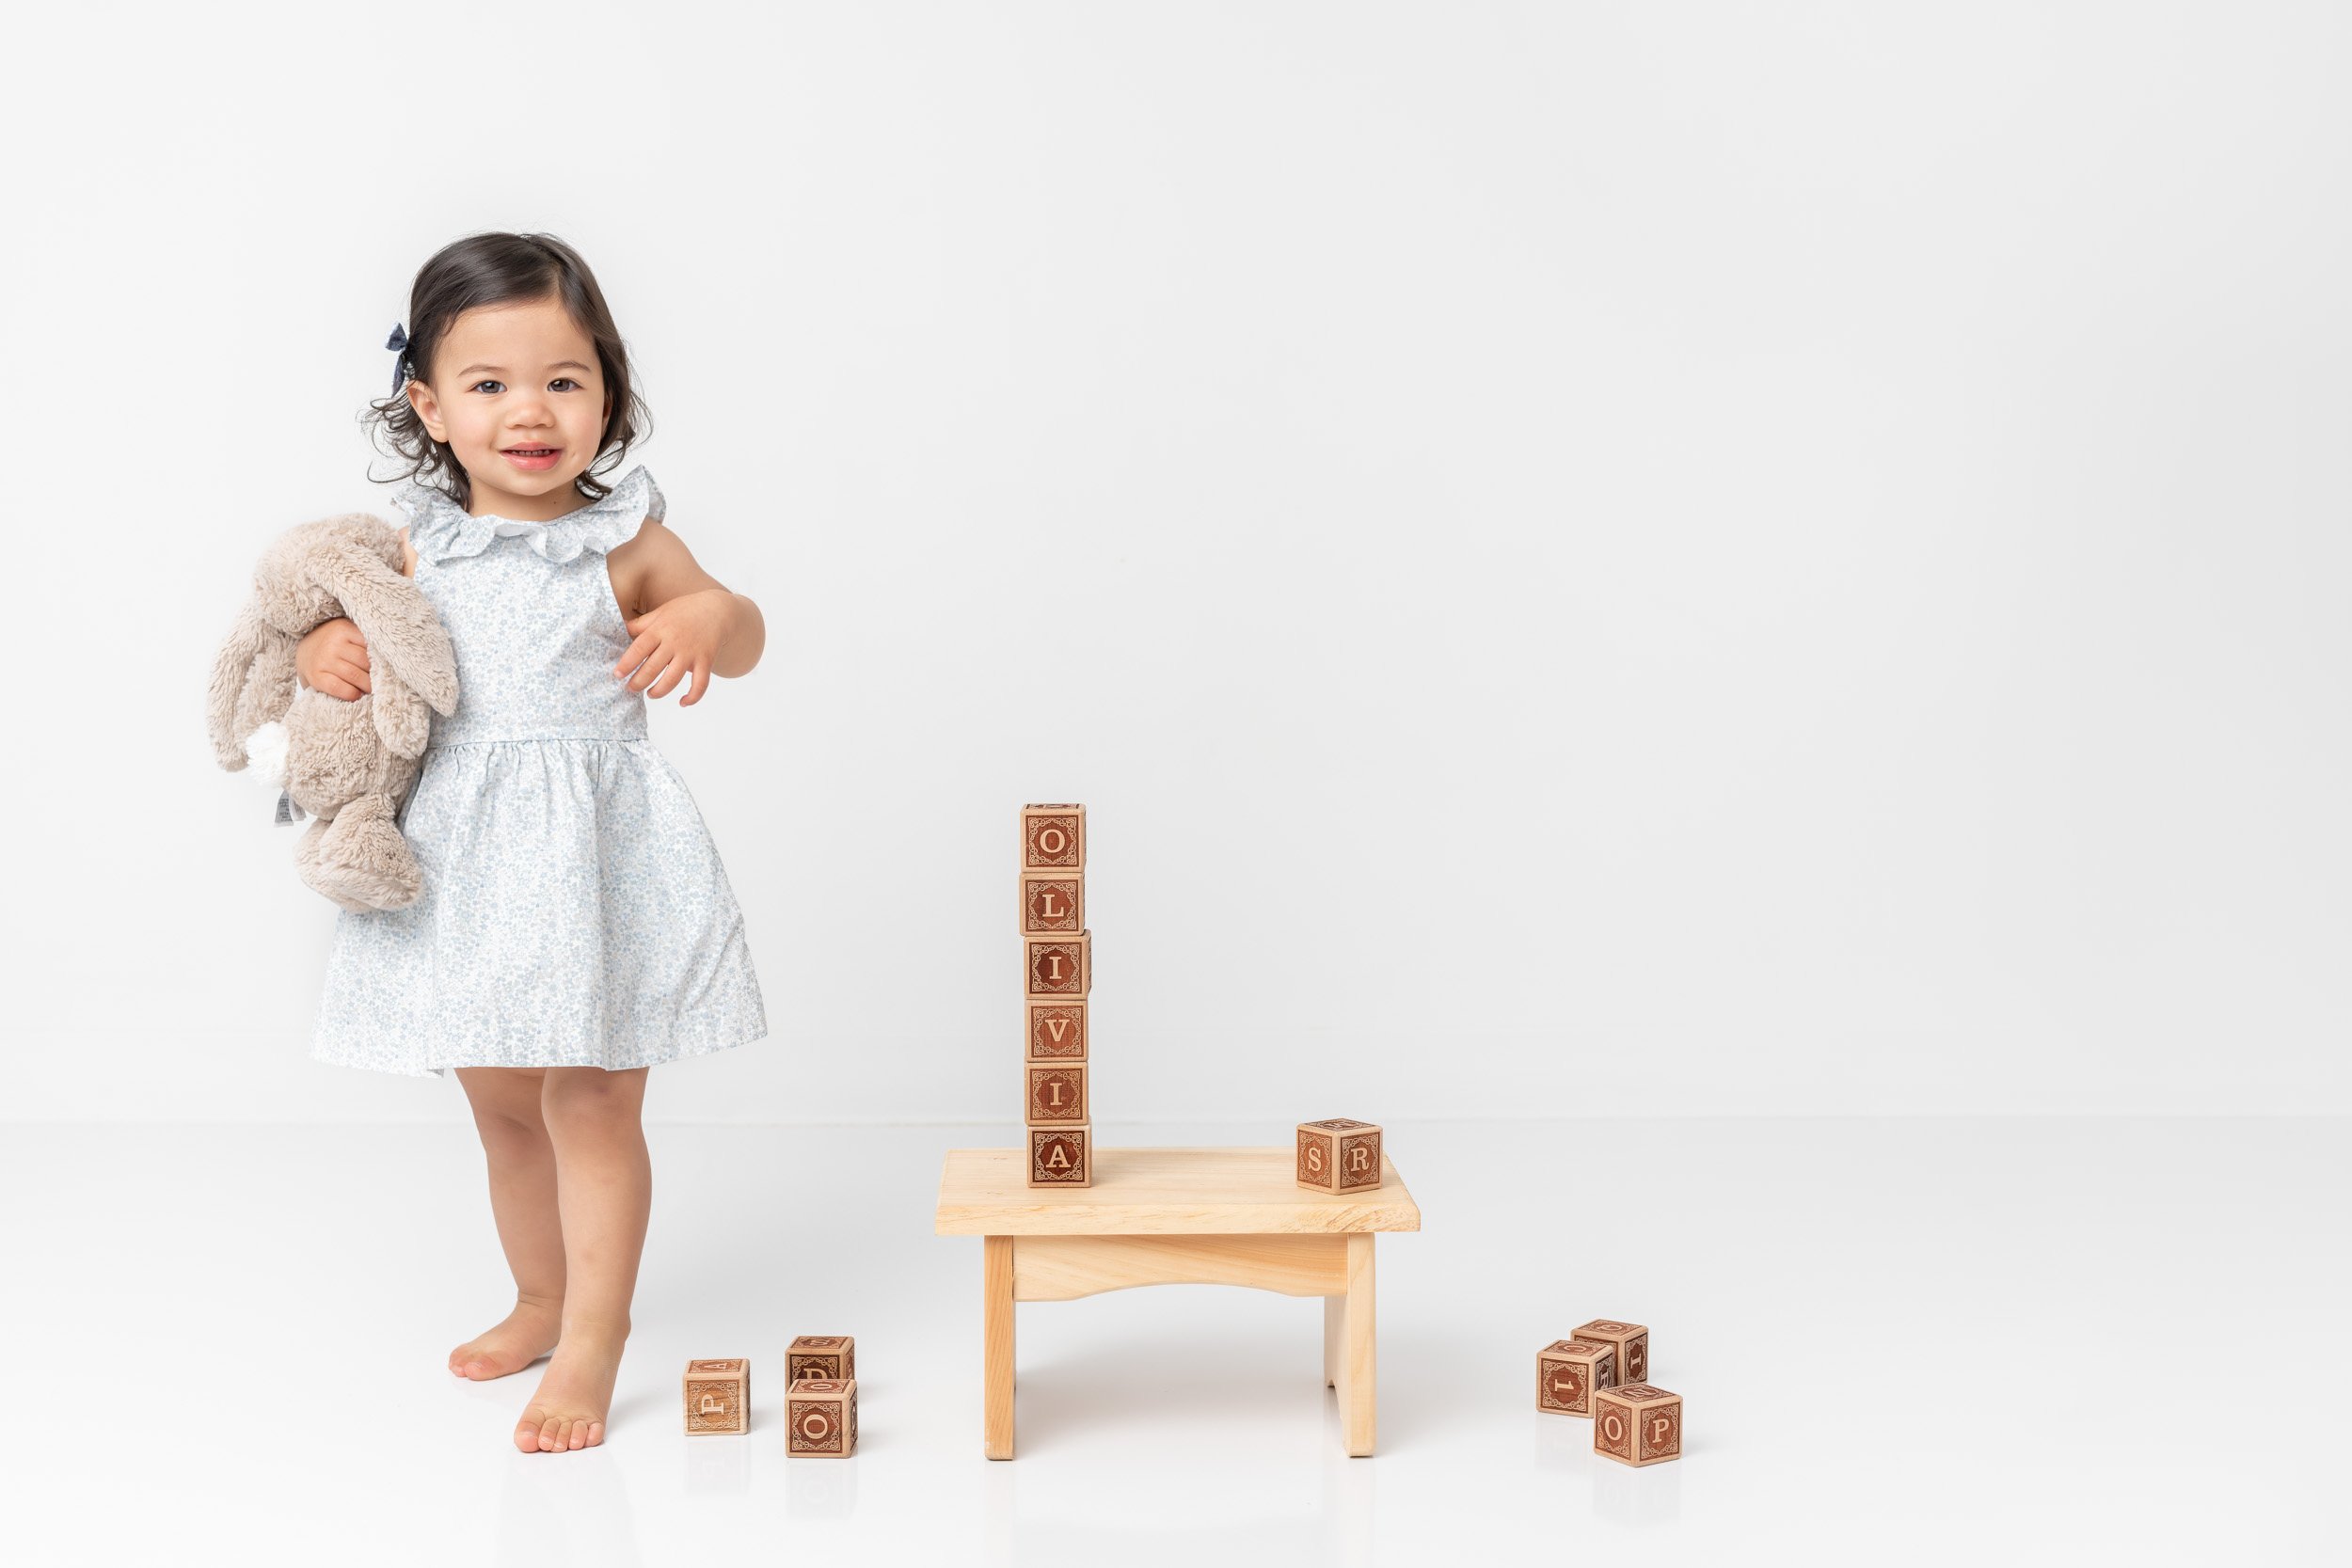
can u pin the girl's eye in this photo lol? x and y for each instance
(479, 385)
(566, 380)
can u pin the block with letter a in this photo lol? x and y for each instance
(1057, 977)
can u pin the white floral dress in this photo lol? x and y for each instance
(574, 912)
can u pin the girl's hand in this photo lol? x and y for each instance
(332, 657)
(676, 639)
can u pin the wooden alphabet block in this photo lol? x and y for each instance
(718, 1396)
(1059, 966)
(1060, 1156)
(1637, 1424)
(1632, 1341)
(820, 1419)
(1054, 838)
(1053, 901)
(1056, 1093)
(1567, 1372)
(832, 1355)
(1339, 1155)
(1055, 1031)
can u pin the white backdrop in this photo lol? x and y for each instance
(1585, 560)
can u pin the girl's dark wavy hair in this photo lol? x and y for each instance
(502, 269)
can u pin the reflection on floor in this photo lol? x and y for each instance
(1965, 1340)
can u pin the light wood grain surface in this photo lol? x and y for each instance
(1162, 1191)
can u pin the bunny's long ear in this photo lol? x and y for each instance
(395, 619)
(253, 682)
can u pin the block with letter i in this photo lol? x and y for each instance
(1630, 1340)
(1057, 977)
(1569, 1371)
(1637, 1424)
(1339, 1155)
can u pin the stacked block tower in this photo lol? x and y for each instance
(1057, 973)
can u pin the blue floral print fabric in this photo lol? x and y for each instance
(575, 912)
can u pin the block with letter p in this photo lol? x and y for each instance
(832, 1355)
(718, 1395)
(1637, 1424)
(1339, 1155)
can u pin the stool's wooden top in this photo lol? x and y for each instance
(1161, 1192)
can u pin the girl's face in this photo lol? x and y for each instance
(516, 392)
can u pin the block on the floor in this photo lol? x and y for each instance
(718, 1395)
(832, 1355)
(1632, 1341)
(1637, 1424)
(1567, 1372)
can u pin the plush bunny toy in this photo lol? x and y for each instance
(348, 763)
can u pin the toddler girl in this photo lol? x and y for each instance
(575, 925)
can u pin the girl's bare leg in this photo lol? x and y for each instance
(522, 1160)
(604, 1185)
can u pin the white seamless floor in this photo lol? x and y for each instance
(1907, 1342)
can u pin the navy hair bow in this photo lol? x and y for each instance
(398, 344)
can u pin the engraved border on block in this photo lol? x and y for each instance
(1037, 820)
(1037, 1075)
(1669, 1411)
(1606, 1413)
(834, 1407)
(1073, 920)
(1080, 1174)
(1312, 1145)
(729, 1393)
(1078, 948)
(1037, 1012)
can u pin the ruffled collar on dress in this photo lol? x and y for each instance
(439, 529)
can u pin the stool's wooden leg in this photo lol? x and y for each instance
(1334, 1331)
(996, 1344)
(1358, 1372)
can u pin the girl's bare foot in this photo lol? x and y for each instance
(527, 1333)
(568, 1410)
